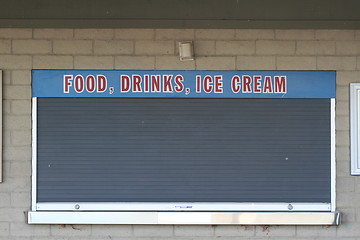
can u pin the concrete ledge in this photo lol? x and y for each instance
(186, 218)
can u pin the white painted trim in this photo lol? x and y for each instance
(40, 208)
(181, 206)
(354, 127)
(186, 218)
(333, 155)
(34, 154)
(1, 132)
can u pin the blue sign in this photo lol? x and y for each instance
(183, 84)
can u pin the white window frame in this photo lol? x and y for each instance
(40, 211)
(355, 128)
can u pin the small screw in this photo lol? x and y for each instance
(77, 206)
(290, 207)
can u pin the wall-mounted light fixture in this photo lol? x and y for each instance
(186, 50)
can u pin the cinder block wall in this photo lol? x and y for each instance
(24, 49)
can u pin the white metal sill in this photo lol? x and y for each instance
(186, 218)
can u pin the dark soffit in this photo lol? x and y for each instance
(314, 14)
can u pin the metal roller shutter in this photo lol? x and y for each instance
(183, 150)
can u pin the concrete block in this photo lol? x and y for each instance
(135, 62)
(334, 34)
(256, 63)
(94, 33)
(235, 47)
(20, 107)
(22, 122)
(6, 77)
(31, 46)
(72, 47)
(10, 184)
(342, 123)
(348, 229)
(336, 63)
(342, 93)
(23, 229)
(194, 231)
(113, 47)
(228, 231)
(18, 153)
(112, 230)
(215, 34)
(16, 92)
(6, 106)
(347, 200)
(358, 63)
(315, 231)
(254, 34)
(144, 47)
(204, 48)
(269, 47)
(272, 231)
(348, 47)
(20, 169)
(21, 77)
(4, 201)
(343, 138)
(13, 215)
(294, 34)
(5, 46)
(173, 63)
(138, 34)
(315, 48)
(170, 34)
(345, 184)
(70, 230)
(342, 155)
(6, 138)
(15, 33)
(342, 108)
(215, 63)
(296, 63)
(53, 33)
(153, 231)
(17, 62)
(53, 62)
(21, 199)
(348, 214)
(4, 229)
(94, 62)
(21, 138)
(344, 78)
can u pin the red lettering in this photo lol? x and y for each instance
(198, 84)
(102, 83)
(146, 83)
(136, 83)
(208, 84)
(179, 83)
(246, 84)
(167, 87)
(257, 84)
(268, 88)
(218, 84)
(79, 83)
(155, 83)
(67, 83)
(280, 84)
(125, 83)
(90, 83)
(235, 84)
